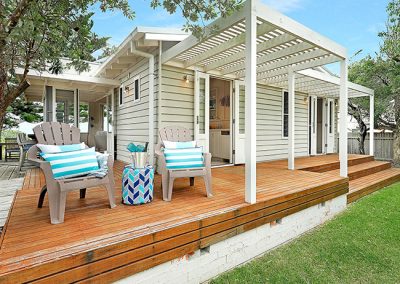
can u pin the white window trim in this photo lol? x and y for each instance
(134, 91)
(283, 113)
(121, 100)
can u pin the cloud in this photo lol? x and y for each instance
(284, 6)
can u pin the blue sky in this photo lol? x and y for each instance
(352, 23)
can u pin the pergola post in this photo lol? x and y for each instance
(291, 118)
(343, 118)
(250, 101)
(371, 126)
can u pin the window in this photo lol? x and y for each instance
(137, 89)
(121, 95)
(285, 114)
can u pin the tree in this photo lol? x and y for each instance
(21, 109)
(382, 74)
(36, 34)
(391, 51)
(370, 72)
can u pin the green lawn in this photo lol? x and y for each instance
(362, 245)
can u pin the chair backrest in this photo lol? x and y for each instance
(21, 138)
(56, 133)
(13, 143)
(175, 134)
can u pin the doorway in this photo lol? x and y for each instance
(321, 125)
(220, 126)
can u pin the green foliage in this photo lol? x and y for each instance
(359, 246)
(23, 110)
(199, 13)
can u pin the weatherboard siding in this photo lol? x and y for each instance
(132, 117)
(271, 144)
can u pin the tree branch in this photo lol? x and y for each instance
(14, 18)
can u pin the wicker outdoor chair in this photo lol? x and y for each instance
(180, 134)
(55, 133)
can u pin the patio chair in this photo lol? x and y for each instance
(55, 133)
(11, 149)
(24, 144)
(180, 134)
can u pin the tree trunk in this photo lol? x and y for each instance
(361, 138)
(396, 142)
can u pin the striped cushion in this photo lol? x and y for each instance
(184, 158)
(72, 164)
(179, 145)
(47, 149)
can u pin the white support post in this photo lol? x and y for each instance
(343, 118)
(371, 125)
(250, 101)
(151, 110)
(291, 130)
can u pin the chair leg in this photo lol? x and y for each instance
(208, 182)
(41, 196)
(111, 194)
(170, 187)
(61, 206)
(165, 186)
(82, 193)
(56, 201)
(191, 181)
(21, 160)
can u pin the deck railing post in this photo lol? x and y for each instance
(371, 126)
(291, 122)
(343, 118)
(250, 101)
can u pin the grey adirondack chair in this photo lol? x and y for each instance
(180, 134)
(55, 133)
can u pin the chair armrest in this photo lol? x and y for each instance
(158, 151)
(33, 155)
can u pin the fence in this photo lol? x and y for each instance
(383, 145)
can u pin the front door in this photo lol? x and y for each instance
(330, 124)
(202, 110)
(239, 123)
(312, 125)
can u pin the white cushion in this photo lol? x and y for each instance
(48, 149)
(179, 145)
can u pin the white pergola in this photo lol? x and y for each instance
(260, 45)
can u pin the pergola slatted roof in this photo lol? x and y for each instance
(283, 45)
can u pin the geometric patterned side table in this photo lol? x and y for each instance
(137, 185)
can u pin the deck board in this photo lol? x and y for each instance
(92, 236)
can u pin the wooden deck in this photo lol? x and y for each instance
(10, 170)
(97, 243)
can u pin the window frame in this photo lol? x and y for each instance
(285, 114)
(136, 88)
(121, 95)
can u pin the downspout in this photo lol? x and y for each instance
(159, 106)
(151, 98)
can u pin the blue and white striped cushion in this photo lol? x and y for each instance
(184, 158)
(72, 164)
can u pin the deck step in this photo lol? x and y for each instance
(370, 183)
(364, 169)
(326, 167)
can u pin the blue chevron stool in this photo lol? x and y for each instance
(137, 185)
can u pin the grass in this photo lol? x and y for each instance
(362, 245)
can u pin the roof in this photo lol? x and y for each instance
(144, 39)
(283, 45)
